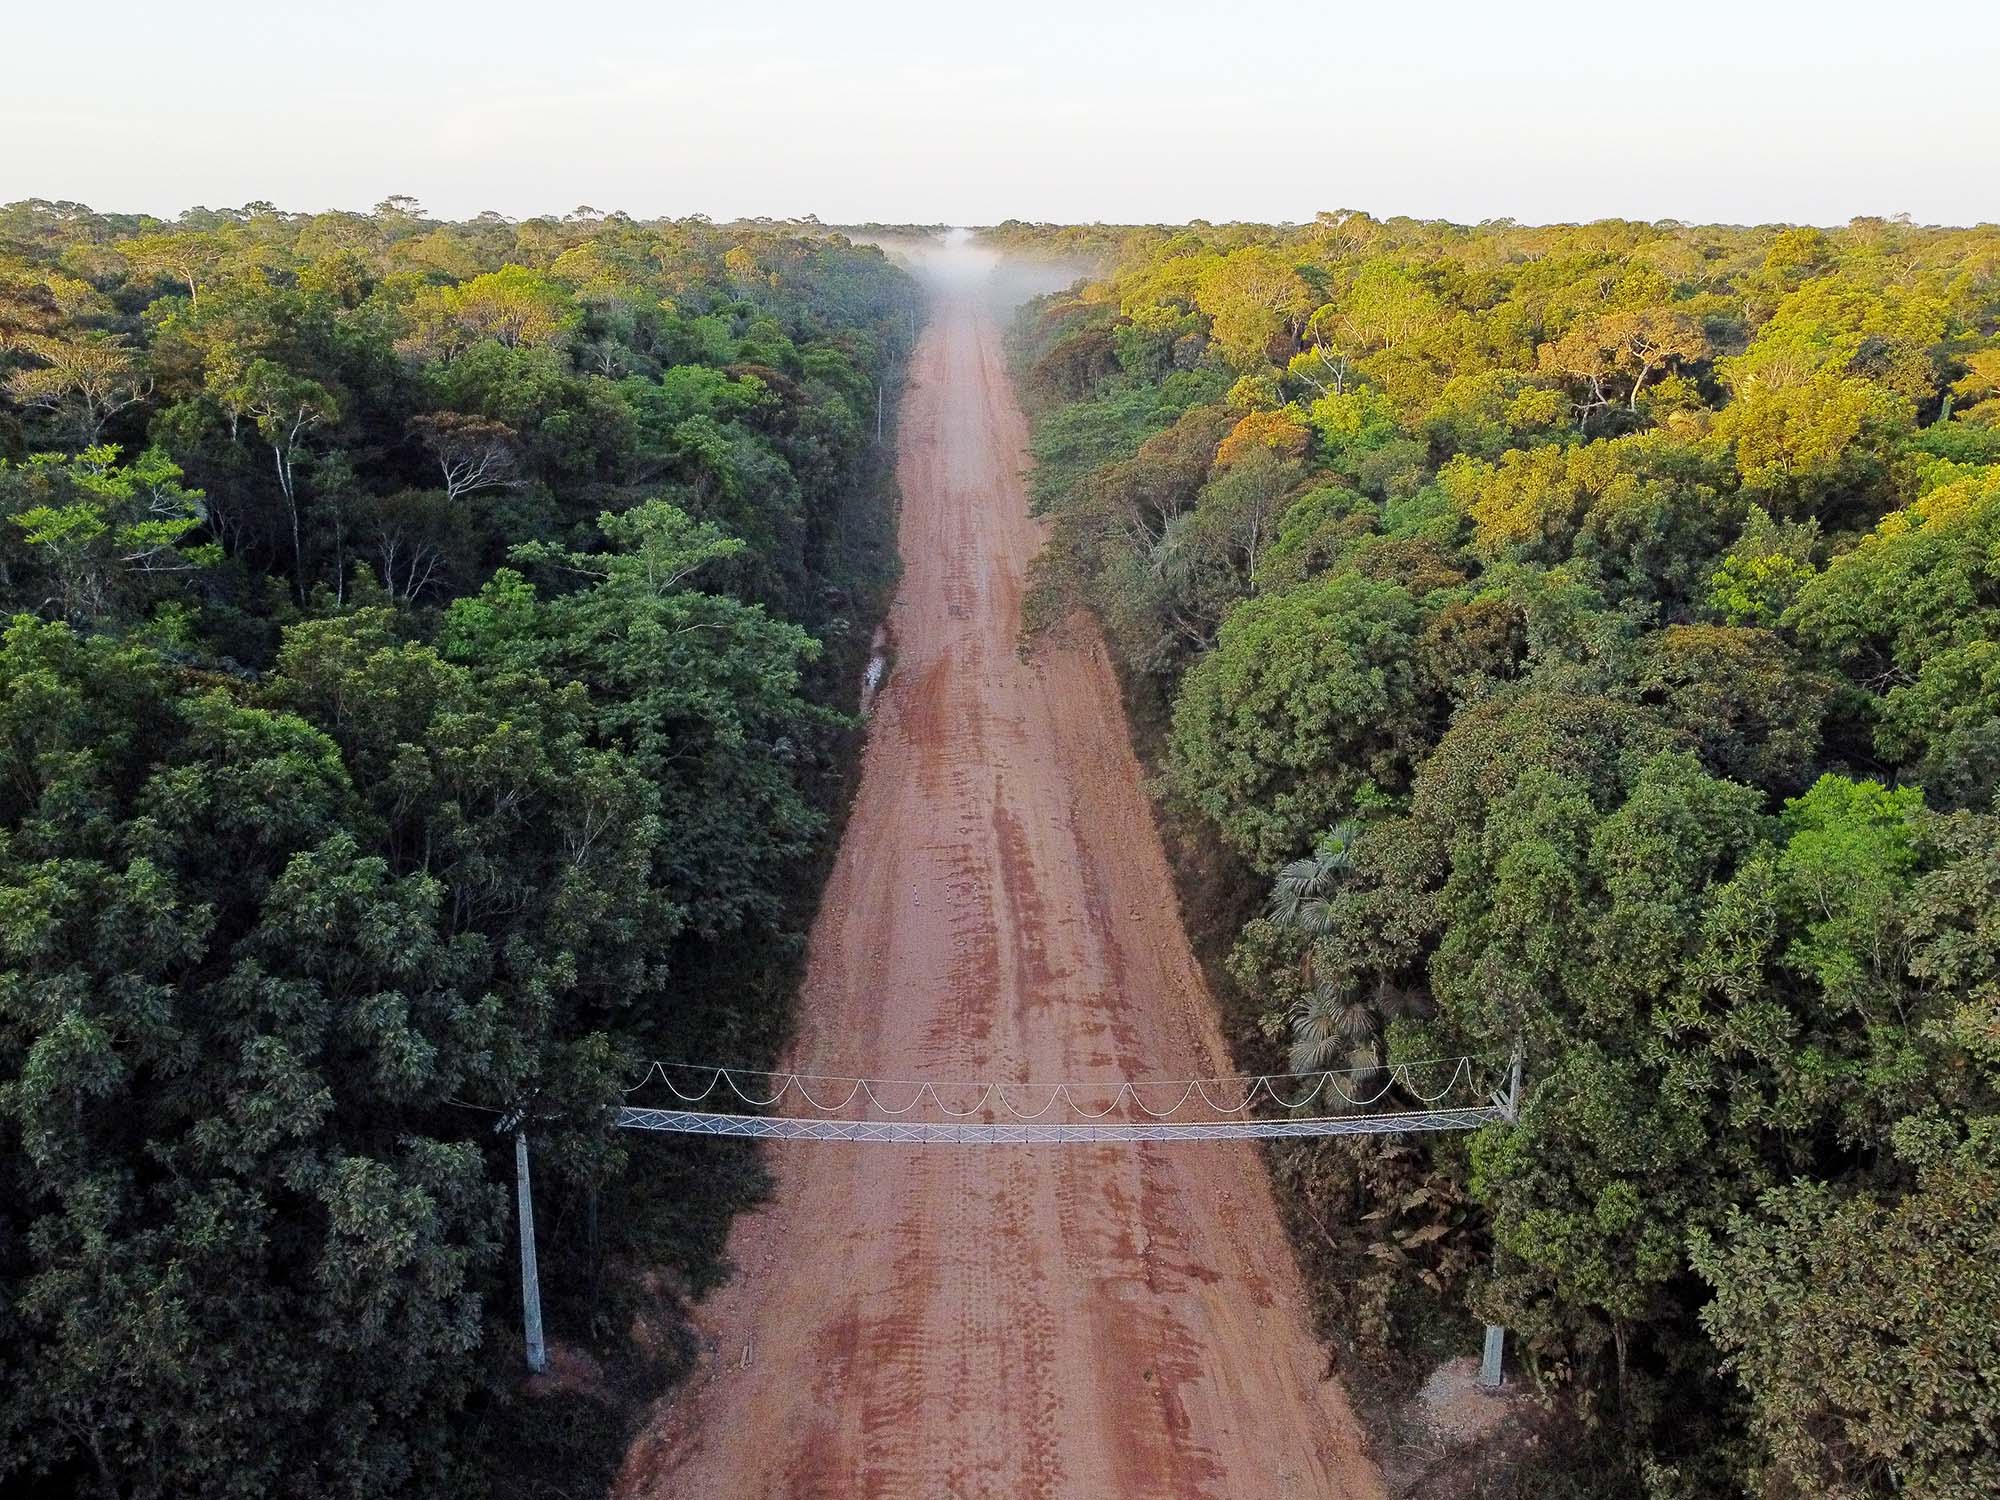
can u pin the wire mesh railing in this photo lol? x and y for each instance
(1460, 1093)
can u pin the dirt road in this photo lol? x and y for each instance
(1002, 1322)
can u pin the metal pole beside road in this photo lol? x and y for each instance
(531, 1281)
(1490, 1372)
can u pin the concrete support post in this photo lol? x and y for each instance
(1489, 1365)
(531, 1281)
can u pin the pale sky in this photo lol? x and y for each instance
(1710, 110)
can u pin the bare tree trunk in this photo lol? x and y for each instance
(285, 484)
(1618, 1342)
(1644, 371)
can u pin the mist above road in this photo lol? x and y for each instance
(960, 263)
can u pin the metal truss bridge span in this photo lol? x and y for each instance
(1454, 1093)
(1017, 1133)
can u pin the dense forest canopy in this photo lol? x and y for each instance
(420, 696)
(1588, 637)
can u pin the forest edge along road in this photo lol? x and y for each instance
(1095, 1322)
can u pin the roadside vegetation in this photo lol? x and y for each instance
(425, 656)
(1588, 638)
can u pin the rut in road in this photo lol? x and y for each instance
(1070, 1323)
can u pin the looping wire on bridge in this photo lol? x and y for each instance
(1460, 1093)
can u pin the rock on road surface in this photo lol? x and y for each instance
(1002, 1322)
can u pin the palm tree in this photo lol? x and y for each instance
(1302, 899)
(1334, 1029)
(1332, 1026)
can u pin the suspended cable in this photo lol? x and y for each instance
(1350, 1091)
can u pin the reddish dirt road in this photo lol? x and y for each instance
(1002, 1322)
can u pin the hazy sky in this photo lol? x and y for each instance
(1732, 110)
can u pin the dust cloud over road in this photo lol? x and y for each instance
(957, 264)
(1003, 1322)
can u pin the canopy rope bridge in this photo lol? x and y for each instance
(1452, 1093)
(1456, 1093)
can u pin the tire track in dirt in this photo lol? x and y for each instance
(1001, 1323)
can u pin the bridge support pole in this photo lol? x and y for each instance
(1490, 1375)
(531, 1281)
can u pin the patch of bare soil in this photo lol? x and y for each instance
(569, 1369)
(1456, 1407)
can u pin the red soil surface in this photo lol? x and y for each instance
(1003, 1322)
